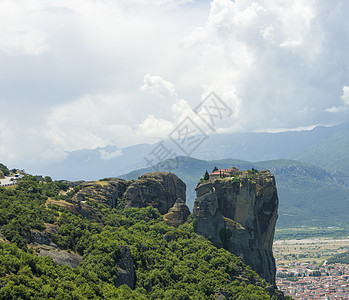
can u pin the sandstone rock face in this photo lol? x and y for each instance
(158, 189)
(240, 214)
(105, 191)
(2, 176)
(206, 210)
(178, 214)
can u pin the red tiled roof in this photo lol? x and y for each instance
(224, 171)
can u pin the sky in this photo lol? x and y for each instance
(82, 74)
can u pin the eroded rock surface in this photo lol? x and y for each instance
(62, 257)
(178, 214)
(240, 214)
(126, 270)
(157, 189)
(105, 191)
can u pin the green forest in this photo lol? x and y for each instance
(169, 263)
(342, 258)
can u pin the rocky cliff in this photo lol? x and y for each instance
(178, 214)
(157, 189)
(239, 213)
(106, 191)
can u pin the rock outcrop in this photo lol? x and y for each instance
(38, 238)
(239, 213)
(2, 176)
(42, 242)
(178, 214)
(78, 208)
(61, 257)
(106, 191)
(126, 269)
(157, 189)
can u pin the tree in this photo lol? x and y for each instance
(47, 179)
(4, 169)
(214, 169)
(206, 176)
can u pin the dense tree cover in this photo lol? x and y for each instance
(306, 232)
(23, 208)
(342, 258)
(169, 263)
(27, 276)
(4, 169)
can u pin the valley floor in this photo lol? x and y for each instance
(303, 272)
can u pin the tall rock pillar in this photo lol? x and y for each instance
(239, 213)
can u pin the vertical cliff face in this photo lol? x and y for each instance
(158, 189)
(240, 214)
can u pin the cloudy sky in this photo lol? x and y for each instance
(89, 73)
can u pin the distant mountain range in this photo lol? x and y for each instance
(331, 154)
(89, 164)
(308, 195)
(311, 168)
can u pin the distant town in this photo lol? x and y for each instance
(303, 272)
(329, 282)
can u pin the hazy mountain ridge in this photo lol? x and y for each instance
(260, 146)
(110, 161)
(332, 154)
(308, 194)
(300, 184)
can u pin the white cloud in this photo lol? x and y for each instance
(23, 43)
(336, 109)
(105, 155)
(274, 55)
(345, 100)
(156, 85)
(21, 31)
(23, 146)
(182, 109)
(167, 3)
(153, 127)
(73, 69)
(90, 122)
(289, 43)
(345, 96)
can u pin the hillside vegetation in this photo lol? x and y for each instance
(332, 154)
(342, 258)
(127, 245)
